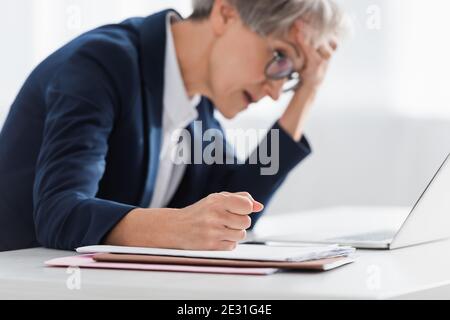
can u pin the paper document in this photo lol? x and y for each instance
(242, 252)
(86, 261)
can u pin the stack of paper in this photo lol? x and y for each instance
(242, 252)
(248, 259)
(88, 261)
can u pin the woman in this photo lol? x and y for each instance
(85, 153)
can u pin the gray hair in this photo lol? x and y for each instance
(276, 17)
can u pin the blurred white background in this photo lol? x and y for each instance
(380, 126)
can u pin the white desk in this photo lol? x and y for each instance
(416, 272)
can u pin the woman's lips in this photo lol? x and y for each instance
(248, 97)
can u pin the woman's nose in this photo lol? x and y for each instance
(273, 88)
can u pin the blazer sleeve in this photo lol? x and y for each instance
(257, 179)
(79, 119)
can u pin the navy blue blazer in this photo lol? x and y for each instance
(80, 146)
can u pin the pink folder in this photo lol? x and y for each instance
(87, 261)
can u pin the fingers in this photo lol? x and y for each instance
(233, 235)
(235, 221)
(333, 44)
(226, 246)
(324, 52)
(305, 46)
(225, 219)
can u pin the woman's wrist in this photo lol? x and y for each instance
(144, 228)
(293, 119)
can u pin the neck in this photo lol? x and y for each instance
(193, 45)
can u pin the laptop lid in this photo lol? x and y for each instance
(429, 220)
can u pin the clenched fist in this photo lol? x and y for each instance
(217, 222)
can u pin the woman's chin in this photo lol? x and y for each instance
(230, 116)
(229, 113)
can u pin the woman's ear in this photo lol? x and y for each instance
(222, 16)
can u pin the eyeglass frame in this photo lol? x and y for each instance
(275, 59)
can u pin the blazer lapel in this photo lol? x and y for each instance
(153, 48)
(198, 172)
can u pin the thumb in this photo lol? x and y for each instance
(257, 206)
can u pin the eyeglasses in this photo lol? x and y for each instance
(281, 67)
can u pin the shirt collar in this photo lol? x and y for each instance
(179, 109)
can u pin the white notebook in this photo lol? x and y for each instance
(242, 252)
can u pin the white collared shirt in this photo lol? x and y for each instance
(178, 112)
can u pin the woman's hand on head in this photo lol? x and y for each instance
(315, 67)
(316, 59)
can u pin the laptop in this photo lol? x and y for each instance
(427, 221)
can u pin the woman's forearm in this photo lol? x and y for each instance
(293, 119)
(216, 222)
(143, 228)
